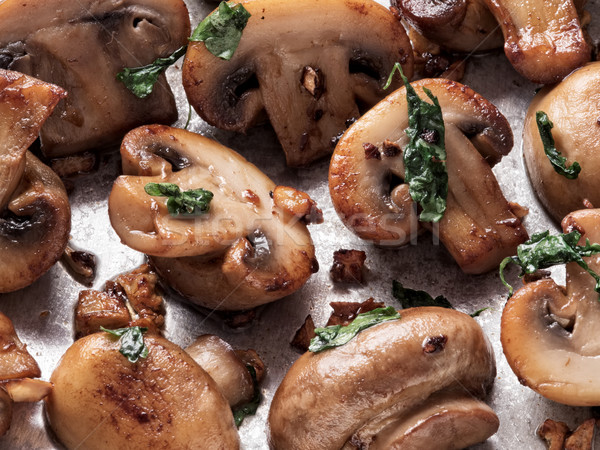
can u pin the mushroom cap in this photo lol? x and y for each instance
(81, 46)
(479, 227)
(572, 106)
(543, 40)
(346, 48)
(209, 259)
(383, 380)
(456, 25)
(100, 400)
(15, 360)
(549, 334)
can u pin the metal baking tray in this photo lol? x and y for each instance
(43, 312)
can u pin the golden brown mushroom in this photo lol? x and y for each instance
(246, 251)
(35, 217)
(415, 382)
(81, 46)
(549, 333)
(101, 400)
(572, 106)
(479, 228)
(311, 66)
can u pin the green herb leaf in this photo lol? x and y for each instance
(193, 202)
(132, 342)
(222, 30)
(249, 409)
(410, 298)
(558, 161)
(425, 154)
(336, 335)
(543, 251)
(478, 312)
(141, 80)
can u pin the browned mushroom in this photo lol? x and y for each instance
(455, 25)
(543, 39)
(81, 46)
(572, 106)
(479, 227)
(101, 400)
(35, 217)
(246, 251)
(549, 334)
(310, 66)
(387, 389)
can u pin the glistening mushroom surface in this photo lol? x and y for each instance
(310, 65)
(35, 217)
(244, 252)
(100, 400)
(456, 25)
(549, 334)
(572, 106)
(379, 385)
(81, 46)
(479, 227)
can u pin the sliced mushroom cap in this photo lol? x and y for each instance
(81, 46)
(386, 383)
(479, 227)
(456, 25)
(311, 66)
(572, 106)
(101, 400)
(244, 252)
(550, 335)
(543, 39)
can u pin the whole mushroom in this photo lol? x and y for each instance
(479, 227)
(251, 248)
(572, 106)
(35, 216)
(311, 66)
(415, 382)
(549, 333)
(81, 46)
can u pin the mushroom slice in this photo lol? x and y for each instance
(456, 25)
(244, 252)
(25, 103)
(479, 227)
(310, 66)
(543, 39)
(549, 335)
(101, 400)
(386, 386)
(81, 46)
(572, 106)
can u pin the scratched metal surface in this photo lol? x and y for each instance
(424, 266)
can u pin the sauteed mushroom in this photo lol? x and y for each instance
(101, 400)
(399, 384)
(549, 333)
(246, 251)
(81, 46)
(572, 106)
(479, 227)
(311, 66)
(456, 25)
(543, 40)
(35, 217)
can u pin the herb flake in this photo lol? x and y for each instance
(192, 202)
(337, 335)
(559, 162)
(141, 80)
(543, 251)
(132, 342)
(410, 298)
(249, 409)
(221, 31)
(425, 154)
